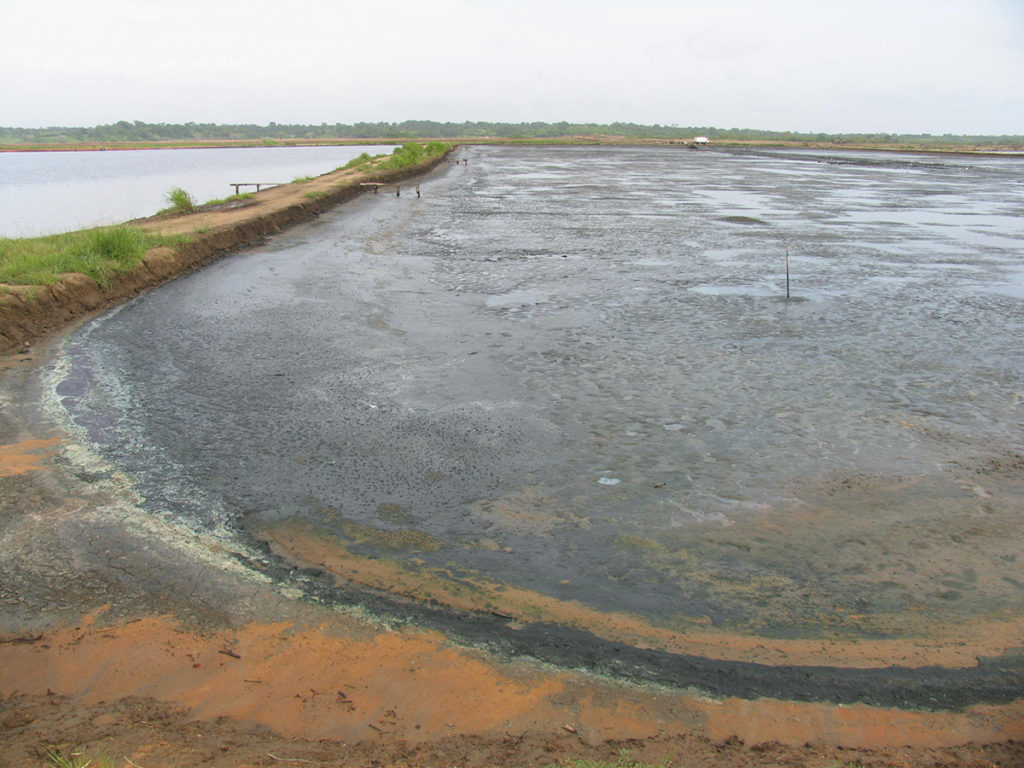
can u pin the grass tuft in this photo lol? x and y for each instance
(412, 153)
(77, 759)
(622, 761)
(355, 162)
(98, 253)
(181, 201)
(230, 198)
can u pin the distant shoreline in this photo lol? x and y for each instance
(92, 146)
(566, 141)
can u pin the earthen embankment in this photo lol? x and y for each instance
(28, 312)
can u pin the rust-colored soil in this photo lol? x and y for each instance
(25, 456)
(302, 543)
(159, 694)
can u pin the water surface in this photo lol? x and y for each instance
(46, 192)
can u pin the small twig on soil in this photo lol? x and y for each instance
(130, 762)
(289, 760)
(230, 653)
(22, 639)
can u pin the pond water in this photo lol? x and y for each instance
(43, 193)
(574, 372)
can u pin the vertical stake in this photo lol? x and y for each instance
(787, 270)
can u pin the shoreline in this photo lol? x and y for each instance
(107, 611)
(486, 141)
(139, 146)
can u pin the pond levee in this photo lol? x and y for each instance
(28, 312)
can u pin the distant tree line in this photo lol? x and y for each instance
(139, 131)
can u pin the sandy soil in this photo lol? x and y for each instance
(130, 637)
(343, 692)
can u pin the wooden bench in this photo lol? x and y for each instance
(258, 184)
(398, 187)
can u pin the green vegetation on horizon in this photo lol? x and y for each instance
(274, 133)
(98, 253)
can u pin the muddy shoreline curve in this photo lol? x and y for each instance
(934, 688)
(28, 313)
(126, 634)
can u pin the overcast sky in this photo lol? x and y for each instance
(900, 66)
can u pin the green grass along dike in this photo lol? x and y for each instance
(30, 312)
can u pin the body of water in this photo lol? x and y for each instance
(575, 371)
(43, 193)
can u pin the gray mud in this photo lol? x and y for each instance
(576, 370)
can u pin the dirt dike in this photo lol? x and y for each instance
(28, 313)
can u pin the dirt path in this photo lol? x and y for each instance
(134, 637)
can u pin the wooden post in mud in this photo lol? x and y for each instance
(787, 270)
(398, 187)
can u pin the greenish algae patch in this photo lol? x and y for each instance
(404, 540)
